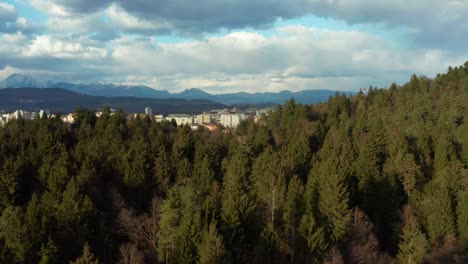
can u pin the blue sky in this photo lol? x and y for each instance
(226, 46)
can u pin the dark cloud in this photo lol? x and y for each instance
(430, 23)
(210, 15)
(80, 6)
(8, 14)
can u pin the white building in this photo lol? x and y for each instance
(42, 112)
(204, 118)
(231, 120)
(181, 119)
(70, 118)
(149, 111)
(158, 118)
(3, 120)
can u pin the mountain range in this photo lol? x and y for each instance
(17, 80)
(65, 101)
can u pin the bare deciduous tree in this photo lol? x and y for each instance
(141, 229)
(334, 257)
(363, 246)
(451, 251)
(130, 254)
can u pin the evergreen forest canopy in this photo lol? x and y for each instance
(372, 178)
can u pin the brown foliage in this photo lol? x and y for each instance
(334, 257)
(141, 229)
(363, 246)
(451, 251)
(130, 254)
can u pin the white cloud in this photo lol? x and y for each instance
(127, 22)
(16, 38)
(429, 23)
(7, 12)
(295, 57)
(47, 46)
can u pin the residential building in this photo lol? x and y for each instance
(204, 118)
(181, 119)
(231, 120)
(158, 118)
(3, 120)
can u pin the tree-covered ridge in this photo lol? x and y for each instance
(373, 178)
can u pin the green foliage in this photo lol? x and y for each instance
(334, 205)
(10, 182)
(314, 235)
(292, 213)
(413, 244)
(87, 257)
(211, 249)
(48, 253)
(270, 182)
(275, 190)
(462, 212)
(435, 207)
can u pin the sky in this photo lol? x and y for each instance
(233, 45)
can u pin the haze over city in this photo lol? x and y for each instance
(232, 46)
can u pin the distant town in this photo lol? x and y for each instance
(227, 118)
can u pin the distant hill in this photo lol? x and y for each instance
(62, 100)
(17, 80)
(115, 90)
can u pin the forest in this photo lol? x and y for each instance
(376, 177)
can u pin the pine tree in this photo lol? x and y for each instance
(171, 217)
(413, 243)
(162, 172)
(15, 234)
(238, 205)
(462, 212)
(211, 250)
(10, 183)
(48, 253)
(314, 235)
(137, 168)
(87, 257)
(270, 184)
(293, 210)
(334, 205)
(436, 208)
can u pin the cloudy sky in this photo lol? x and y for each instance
(233, 45)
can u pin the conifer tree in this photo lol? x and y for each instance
(211, 250)
(48, 253)
(87, 257)
(10, 183)
(462, 212)
(238, 205)
(314, 235)
(413, 244)
(334, 205)
(292, 214)
(437, 211)
(270, 184)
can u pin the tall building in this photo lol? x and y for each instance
(229, 120)
(44, 112)
(204, 118)
(148, 111)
